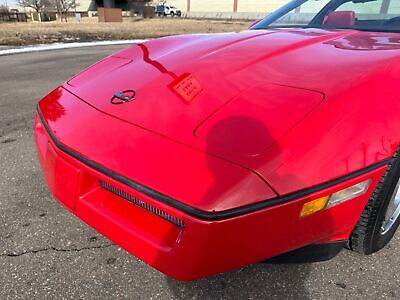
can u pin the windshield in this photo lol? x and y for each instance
(369, 15)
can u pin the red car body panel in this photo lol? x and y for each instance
(230, 134)
(295, 58)
(146, 157)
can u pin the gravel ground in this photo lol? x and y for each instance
(45, 252)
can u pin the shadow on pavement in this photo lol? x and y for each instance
(258, 281)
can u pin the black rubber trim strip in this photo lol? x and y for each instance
(310, 253)
(200, 214)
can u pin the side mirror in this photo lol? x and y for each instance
(254, 23)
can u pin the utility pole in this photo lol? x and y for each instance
(235, 5)
(385, 7)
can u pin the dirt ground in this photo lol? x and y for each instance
(19, 34)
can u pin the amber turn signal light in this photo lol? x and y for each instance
(312, 207)
(334, 199)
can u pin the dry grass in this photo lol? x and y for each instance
(36, 33)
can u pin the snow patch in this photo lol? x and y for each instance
(59, 46)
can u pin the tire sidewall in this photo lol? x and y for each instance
(379, 240)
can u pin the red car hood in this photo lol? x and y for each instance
(214, 70)
(232, 95)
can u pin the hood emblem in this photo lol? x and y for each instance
(123, 97)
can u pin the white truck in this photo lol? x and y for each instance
(167, 10)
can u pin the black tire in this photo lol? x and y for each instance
(172, 14)
(368, 237)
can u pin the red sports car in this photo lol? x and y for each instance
(203, 153)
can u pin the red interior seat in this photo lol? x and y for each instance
(340, 18)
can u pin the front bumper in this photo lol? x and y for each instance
(201, 245)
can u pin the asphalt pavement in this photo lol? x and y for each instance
(46, 252)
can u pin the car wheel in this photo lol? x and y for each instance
(172, 14)
(380, 218)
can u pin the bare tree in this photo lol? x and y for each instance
(63, 7)
(37, 5)
(4, 9)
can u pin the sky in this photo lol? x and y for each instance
(10, 3)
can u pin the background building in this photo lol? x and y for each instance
(239, 9)
(228, 5)
(193, 6)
